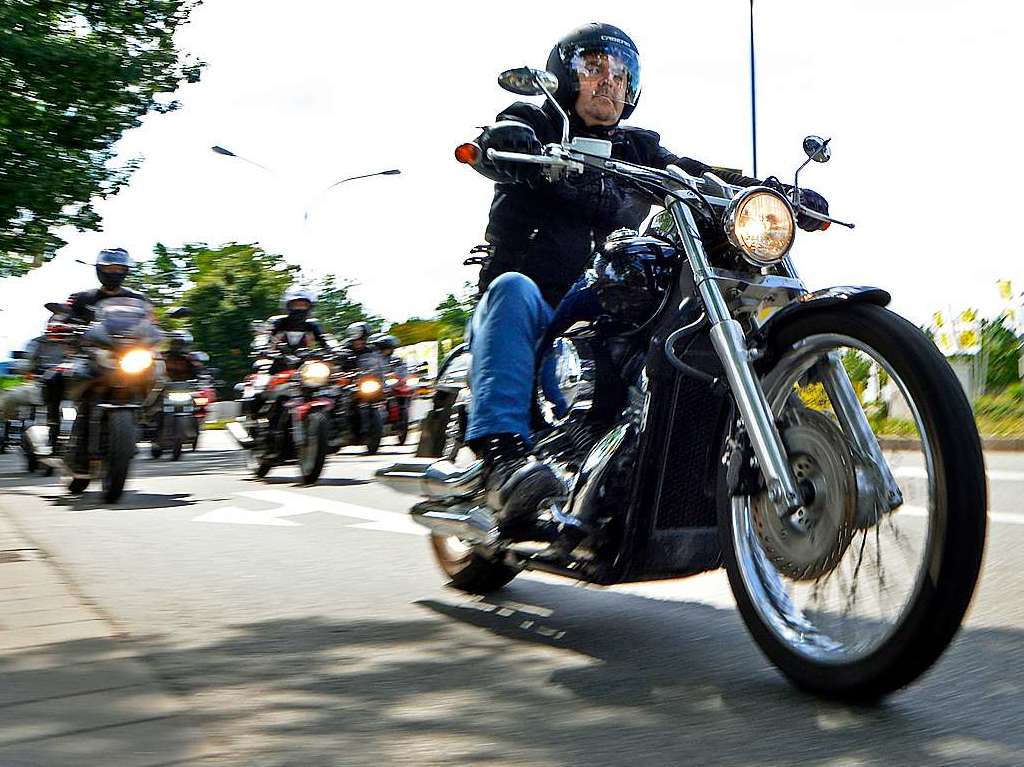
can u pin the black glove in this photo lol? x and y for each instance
(511, 136)
(811, 199)
(808, 198)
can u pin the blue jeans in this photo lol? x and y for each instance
(509, 324)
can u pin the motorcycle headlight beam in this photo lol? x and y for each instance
(315, 373)
(136, 361)
(760, 223)
(369, 387)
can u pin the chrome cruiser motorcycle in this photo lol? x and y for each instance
(715, 413)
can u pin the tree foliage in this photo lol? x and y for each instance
(1002, 348)
(336, 310)
(74, 76)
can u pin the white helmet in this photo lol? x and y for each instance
(298, 293)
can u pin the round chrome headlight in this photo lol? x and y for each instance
(314, 373)
(759, 221)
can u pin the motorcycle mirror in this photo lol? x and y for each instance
(816, 148)
(54, 307)
(18, 354)
(179, 312)
(525, 81)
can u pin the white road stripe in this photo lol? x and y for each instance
(918, 472)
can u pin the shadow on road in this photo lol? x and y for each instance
(555, 674)
(132, 500)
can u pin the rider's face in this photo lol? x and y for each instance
(603, 80)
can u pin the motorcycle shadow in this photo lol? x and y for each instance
(132, 500)
(322, 482)
(695, 666)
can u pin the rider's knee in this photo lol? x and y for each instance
(515, 284)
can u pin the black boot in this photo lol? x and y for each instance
(515, 482)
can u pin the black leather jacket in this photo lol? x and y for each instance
(82, 303)
(549, 231)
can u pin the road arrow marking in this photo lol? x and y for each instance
(291, 504)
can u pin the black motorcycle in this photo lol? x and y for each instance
(106, 382)
(174, 424)
(359, 413)
(712, 412)
(287, 403)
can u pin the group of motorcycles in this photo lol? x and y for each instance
(301, 404)
(298, 404)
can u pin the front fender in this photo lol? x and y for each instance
(813, 302)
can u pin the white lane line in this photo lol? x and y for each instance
(919, 472)
(1005, 517)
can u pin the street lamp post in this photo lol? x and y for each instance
(391, 172)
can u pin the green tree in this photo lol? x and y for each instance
(230, 287)
(74, 76)
(336, 310)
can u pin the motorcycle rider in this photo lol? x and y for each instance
(385, 345)
(293, 331)
(113, 265)
(542, 237)
(180, 362)
(363, 355)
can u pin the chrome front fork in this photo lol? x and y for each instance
(730, 344)
(850, 414)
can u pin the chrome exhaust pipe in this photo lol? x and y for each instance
(241, 436)
(439, 480)
(469, 522)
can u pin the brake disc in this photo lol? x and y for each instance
(810, 542)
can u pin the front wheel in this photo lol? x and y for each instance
(862, 589)
(374, 429)
(313, 451)
(121, 448)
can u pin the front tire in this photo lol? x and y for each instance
(314, 452)
(374, 430)
(121, 448)
(853, 658)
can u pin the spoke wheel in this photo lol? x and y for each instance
(862, 589)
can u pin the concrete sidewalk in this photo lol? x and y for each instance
(71, 692)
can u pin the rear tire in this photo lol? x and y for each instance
(403, 425)
(78, 485)
(121, 448)
(951, 561)
(467, 569)
(31, 459)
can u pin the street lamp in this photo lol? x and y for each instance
(391, 172)
(228, 153)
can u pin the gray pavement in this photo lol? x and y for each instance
(309, 626)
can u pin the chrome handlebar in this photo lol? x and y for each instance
(714, 190)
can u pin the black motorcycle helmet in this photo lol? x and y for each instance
(180, 341)
(112, 267)
(566, 58)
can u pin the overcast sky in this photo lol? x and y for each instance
(921, 100)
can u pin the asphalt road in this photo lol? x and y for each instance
(309, 626)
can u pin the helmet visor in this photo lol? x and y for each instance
(610, 70)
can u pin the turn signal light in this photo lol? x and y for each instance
(468, 153)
